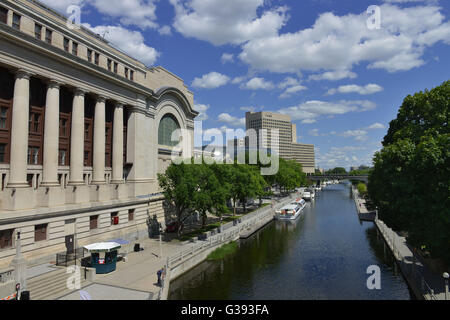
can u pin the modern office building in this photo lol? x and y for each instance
(84, 130)
(287, 147)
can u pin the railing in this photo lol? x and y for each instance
(6, 276)
(64, 258)
(411, 268)
(259, 216)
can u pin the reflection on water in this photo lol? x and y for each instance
(322, 255)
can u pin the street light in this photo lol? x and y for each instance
(160, 240)
(446, 276)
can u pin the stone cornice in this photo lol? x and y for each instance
(67, 57)
(55, 25)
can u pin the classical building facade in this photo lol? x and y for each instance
(84, 130)
(287, 148)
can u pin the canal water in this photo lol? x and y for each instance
(323, 255)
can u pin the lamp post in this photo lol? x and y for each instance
(160, 240)
(446, 276)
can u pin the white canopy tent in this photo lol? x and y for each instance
(103, 247)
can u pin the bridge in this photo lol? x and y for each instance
(364, 178)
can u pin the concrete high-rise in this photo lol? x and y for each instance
(287, 146)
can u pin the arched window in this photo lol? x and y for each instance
(167, 126)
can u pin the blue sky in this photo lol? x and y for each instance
(340, 79)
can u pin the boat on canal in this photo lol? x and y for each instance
(292, 211)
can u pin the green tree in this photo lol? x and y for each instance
(410, 181)
(337, 171)
(179, 183)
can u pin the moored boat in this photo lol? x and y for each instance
(292, 211)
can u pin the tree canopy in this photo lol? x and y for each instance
(410, 181)
(206, 188)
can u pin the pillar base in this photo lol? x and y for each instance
(18, 199)
(76, 194)
(76, 183)
(50, 184)
(52, 196)
(11, 185)
(98, 183)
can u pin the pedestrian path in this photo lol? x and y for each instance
(422, 280)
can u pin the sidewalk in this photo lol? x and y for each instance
(430, 285)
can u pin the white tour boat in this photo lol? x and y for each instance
(292, 211)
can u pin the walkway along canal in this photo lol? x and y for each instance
(324, 254)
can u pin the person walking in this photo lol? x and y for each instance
(159, 273)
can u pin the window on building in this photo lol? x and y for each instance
(48, 36)
(109, 64)
(16, 21)
(2, 152)
(6, 238)
(89, 55)
(114, 218)
(40, 232)
(33, 155)
(38, 31)
(74, 48)
(97, 58)
(4, 117)
(131, 214)
(167, 126)
(30, 179)
(116, 65)
(62, 157)
(3, 15)
(93, 222)
(126, 73)
(66, 44)
(131, 75)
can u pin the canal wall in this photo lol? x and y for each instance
(423, 284)
(363, 213)
(194, 254)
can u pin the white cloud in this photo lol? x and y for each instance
(238, 80)
(141, 13)
(165, 31)
(235, 22)
(131, 42)
(314, 132)
(201, 108)
(211, 80)
(333, 75)
(376, 126)
(230, 120)
(288, 82)
(227, 57)
(258, 84)
(292, 90)
(353, 88)
(62, 5)
(312, 110)
(337, 43)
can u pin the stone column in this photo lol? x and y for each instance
(77, 139)
(19, 131)
(51, 136)
(99, 142)
(117, 161)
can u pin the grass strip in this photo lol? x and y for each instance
(223, 251)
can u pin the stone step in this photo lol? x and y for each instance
(45, 278)
(59, 292)
(51, 285)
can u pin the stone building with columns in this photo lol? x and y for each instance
(84, 130)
